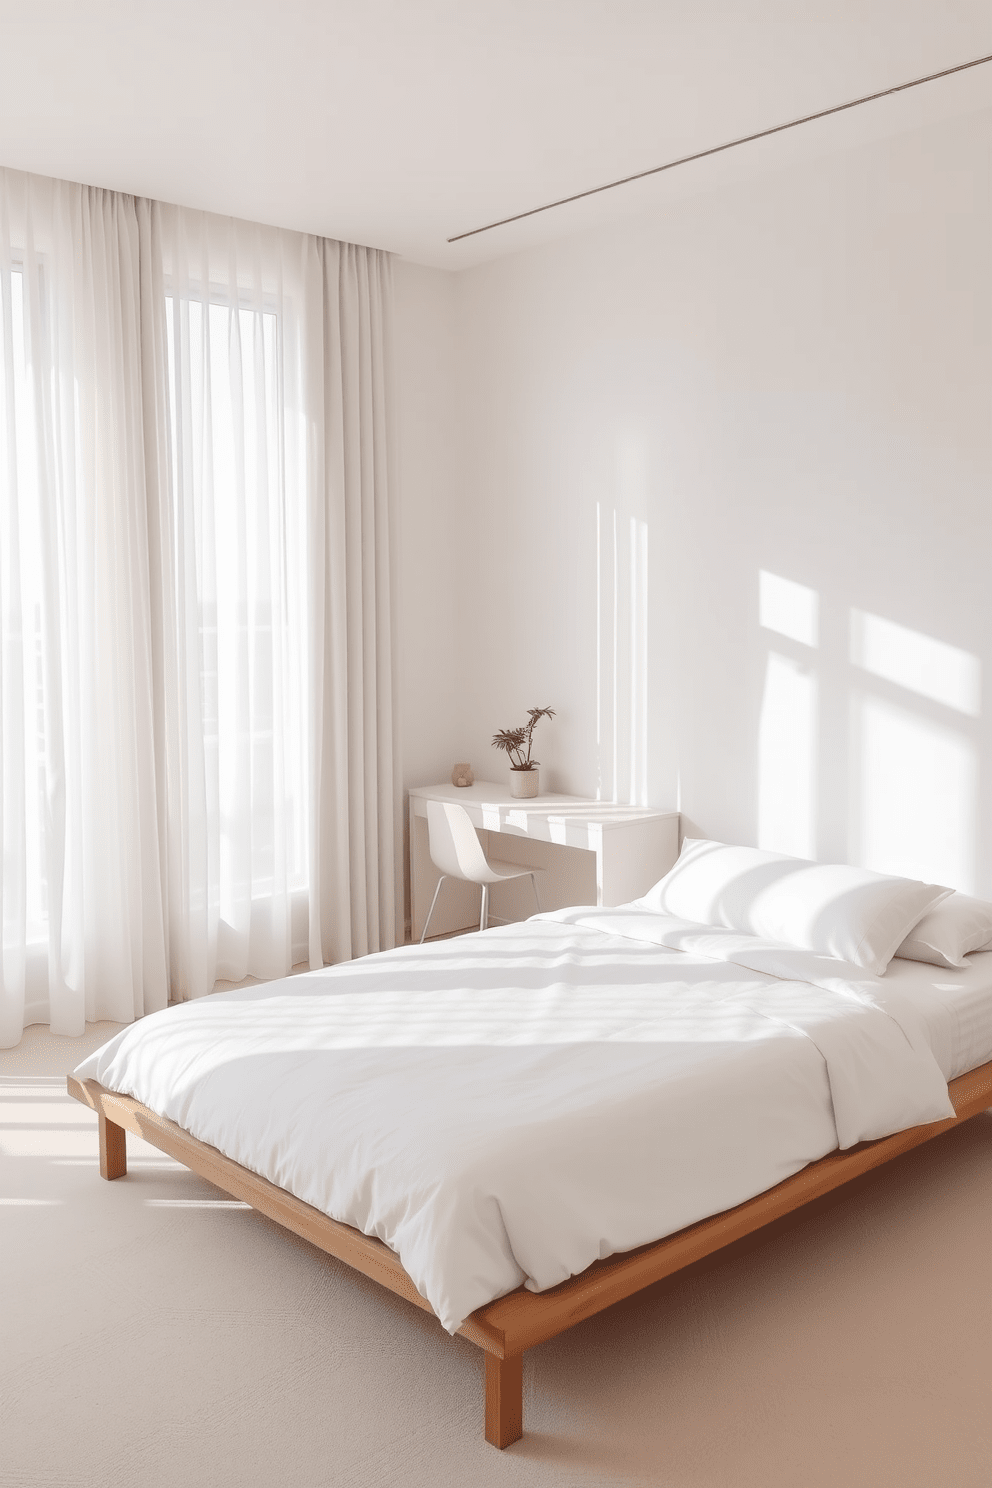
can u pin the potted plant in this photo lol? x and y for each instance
(516, 743)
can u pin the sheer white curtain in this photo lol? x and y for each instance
(83, 933)
(195, 688)
(231, 545)
(273, 542)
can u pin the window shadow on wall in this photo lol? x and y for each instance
(880, 728)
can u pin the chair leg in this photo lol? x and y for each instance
(484, 917)
(431, 910)
(533, 880)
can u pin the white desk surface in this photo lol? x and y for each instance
(548, 818)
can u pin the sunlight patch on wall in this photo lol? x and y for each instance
(918, 787)
(622, 651)
(788, 608)
(787, 758)
(638, 790)
(917, 662)
(600, 784)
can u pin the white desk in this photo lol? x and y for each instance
(593, 852)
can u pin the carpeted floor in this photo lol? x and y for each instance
(153, 1334)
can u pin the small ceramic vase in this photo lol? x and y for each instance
(462, 775)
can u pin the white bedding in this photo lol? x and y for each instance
(511, 1106)
(956, 1007)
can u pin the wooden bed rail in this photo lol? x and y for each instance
(511, 1324)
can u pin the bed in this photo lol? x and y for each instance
(519, 1128)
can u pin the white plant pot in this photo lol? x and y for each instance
(525, 782)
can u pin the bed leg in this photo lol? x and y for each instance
(113, 1148)
(504, 1400)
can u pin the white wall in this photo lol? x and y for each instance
(430, 537)
(427, 532)
(791, 376)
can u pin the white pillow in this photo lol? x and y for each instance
(851, 913)
(947, 934)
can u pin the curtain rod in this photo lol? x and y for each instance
(747, 139)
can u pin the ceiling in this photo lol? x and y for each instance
(400, 123)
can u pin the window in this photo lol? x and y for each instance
(239, 534)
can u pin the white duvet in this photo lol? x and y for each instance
(507, 1108)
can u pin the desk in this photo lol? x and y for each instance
(593, 852)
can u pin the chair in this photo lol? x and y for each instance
(455, 849)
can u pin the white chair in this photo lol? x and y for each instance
(455, 849)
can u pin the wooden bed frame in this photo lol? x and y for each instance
(508, 1326)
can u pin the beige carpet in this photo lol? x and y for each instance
(153, 1334)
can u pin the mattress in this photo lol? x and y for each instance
(505, 1109)
(956, 1006)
